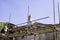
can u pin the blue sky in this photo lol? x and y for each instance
(19, 8)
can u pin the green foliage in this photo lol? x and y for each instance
(3, 24)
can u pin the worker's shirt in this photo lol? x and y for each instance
(5, 29)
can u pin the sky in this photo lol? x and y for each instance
(18, 10)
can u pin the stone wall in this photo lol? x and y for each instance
(44, 36)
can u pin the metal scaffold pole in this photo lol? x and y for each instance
(10, 17)
(55, 33)
(54, 10)
(35, 37)
(58, 11)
